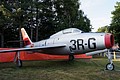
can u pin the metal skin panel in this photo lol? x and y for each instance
(76, 43)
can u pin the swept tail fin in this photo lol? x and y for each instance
(26, 38)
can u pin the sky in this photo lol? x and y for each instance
(98, 11)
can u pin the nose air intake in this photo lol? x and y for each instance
(109, 40)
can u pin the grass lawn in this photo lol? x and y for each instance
(60, 70)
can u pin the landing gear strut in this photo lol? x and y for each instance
(17, 59)
(71, 57)
(19, 63)
(110, 66)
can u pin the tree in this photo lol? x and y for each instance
(4, 21)
(21, 13)
(115, 24)
(82, 22)
(68, 15)
(103, 29)
(40, 18)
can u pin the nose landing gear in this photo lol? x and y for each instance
(110, 66)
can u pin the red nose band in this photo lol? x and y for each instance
(109, 40)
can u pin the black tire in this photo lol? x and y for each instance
(71, 57)
(110, 66)
(19, 63)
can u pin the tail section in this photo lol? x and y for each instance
(26, 38)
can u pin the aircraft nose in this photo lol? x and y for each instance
(109, 40)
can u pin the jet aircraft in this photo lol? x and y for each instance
(71, 41)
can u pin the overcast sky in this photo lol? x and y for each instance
(98, 11)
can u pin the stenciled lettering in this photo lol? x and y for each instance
(73, 47)
(91, 44)
(79, 44)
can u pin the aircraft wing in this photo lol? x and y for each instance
(34, 48)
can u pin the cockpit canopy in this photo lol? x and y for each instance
(66, 31)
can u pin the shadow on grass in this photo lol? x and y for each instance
(58, 70)
(46, 64)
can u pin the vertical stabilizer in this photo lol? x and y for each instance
(26, 38)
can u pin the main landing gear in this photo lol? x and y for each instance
(110, 66)
(71, 57)
(17, 59)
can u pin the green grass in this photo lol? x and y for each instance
(60, 70)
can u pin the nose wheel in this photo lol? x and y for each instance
(110, 66)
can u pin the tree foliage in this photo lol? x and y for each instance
(103, 29)
(115, 24)
(40, 18)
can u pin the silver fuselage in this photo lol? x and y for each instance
(76, 43)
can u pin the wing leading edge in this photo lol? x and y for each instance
(33, 48)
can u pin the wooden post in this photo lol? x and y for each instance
(114, 55)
